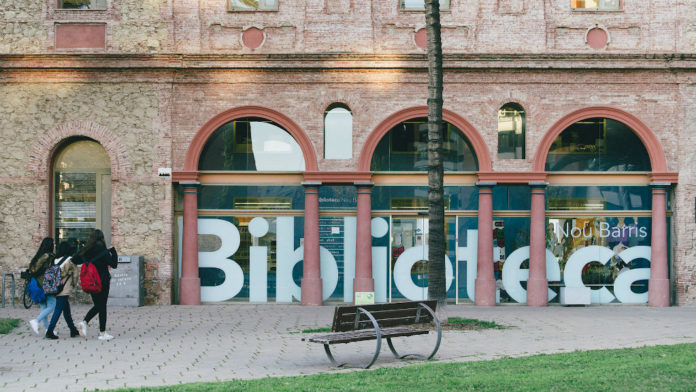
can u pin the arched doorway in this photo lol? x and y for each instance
(607, 207)
(396, 154)
(241, 215)
(81, 192)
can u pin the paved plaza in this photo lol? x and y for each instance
(161, 345)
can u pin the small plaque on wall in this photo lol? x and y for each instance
(364, 297)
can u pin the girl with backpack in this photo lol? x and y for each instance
(95, 252)
(68, 277)
(39, 263)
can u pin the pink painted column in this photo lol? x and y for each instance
(537, 285)
(311, 284)
(658, 290)
(484, 294)
(363, 282)
(190, 283)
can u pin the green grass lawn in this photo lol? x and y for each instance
(7, 325)
(660, 368)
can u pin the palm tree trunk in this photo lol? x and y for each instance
(436, 206)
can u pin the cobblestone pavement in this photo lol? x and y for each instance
(162, 345)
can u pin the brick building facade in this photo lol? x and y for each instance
(152, 81)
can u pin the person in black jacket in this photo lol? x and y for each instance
(96, 253)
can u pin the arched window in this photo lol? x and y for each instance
(598, 144)
(405, 148)
(338, 132)
(251, 144)
(82, 190)
(511, 131)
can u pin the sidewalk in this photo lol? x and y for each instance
(165, 345)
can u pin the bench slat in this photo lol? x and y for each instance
(366, 334)
(386, 315)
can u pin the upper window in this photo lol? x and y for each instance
(593, 5)
(598, 144)
(420, 4)
(82, 4)
(405, 148)
(338, 132)
(253, 5)
(511, 131)
(251, 144)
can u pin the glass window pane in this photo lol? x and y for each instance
(251, 144)
(338, 197)
(254, 5)
(233, 197)
(81, 190)
(610, 198)
(338, 134)
(82, 4)
(570, 238)
(420, 4)
(598, 144)
(511, 132)
(405, 148)
(416, 198)
(512, 197)
(608, 5)
(76, 205)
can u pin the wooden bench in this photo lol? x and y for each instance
(374, 322)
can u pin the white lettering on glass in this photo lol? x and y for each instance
(513, 275)
(572, 275)
(380, 257)
(287, 257)
(402, 273)
(229, 243)
(622, 284)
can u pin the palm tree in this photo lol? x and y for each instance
(436, 205)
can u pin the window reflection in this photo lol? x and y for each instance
(604, 5)
(82, 4)
(420, 4)
(82, 191)
(254, 5)
(251, 144)
(338, 132)
(598, 144)
(511, 131)
(405, 148)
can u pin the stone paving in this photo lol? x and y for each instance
(180, 344)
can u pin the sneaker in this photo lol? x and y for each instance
(34, 326)
(51, 335)
(82, 328)
(74, 332)
(105, 336)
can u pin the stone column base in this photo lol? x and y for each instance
(537, 292)
(658, 292)
(363, 284)
(484, 294)
(311, 291)
(190, 291)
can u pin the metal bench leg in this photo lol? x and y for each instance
(378, 333)
(331, 357)
(437, 343)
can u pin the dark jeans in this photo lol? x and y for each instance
(62, 305)
(99, 307)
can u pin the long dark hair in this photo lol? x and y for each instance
(64, 248)
(95, 237)
(45, 247)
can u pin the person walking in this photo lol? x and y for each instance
(95, 252)
(68, 277)
(38, 265)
